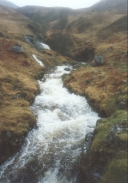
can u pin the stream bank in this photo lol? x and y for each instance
(53, 148)
(106, 158)
(19, 86)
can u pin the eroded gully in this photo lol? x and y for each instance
(51, 151)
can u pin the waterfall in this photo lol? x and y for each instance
(38, 61)
(52, 150)
(45, 46)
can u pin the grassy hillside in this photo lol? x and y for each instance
(8, 4)
(105, 87)
(18, 80)
(85, 34)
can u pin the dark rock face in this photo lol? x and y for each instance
(113, 140)
(88, 140)
(94, 162)
(98, 61)
(86, 54)
(30, 39)
(1, 34)
(35, 41)
(66, 45)
(60, 42)
(123, 104)
(18, 49)
(16, 96)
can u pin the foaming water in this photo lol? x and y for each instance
(51, 151)
(39, 62)
(45, 46)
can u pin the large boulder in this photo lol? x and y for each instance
(97, 61)
(18, 48)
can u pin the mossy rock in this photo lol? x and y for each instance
(116, 172)
(107, 154)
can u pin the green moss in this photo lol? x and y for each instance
(116, 172)
(102, 130)
(123, 67)
(123, 137)
(122, 155)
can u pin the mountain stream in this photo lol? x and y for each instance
(52, 150)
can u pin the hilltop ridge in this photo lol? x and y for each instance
(8, 4)
(110, 4)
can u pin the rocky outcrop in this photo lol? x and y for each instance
(97, 61)
(104, 150)
(85, 53)
(95, 163)
(36, 43)
(18, 48)
(11, 141)
(113, 140)
(60, 42)
(71, 46)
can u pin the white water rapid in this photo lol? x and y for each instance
(39, 61)
(52, 150)
(45, 46)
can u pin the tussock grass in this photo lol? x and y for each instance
(105, 87)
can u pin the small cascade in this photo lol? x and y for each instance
(45, 46)
(52, 151)
(39, 61)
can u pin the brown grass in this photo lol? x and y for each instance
(18, 77)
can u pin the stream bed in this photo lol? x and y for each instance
(52, 151)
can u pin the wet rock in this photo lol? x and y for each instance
(125, 81)
(78, 65)
(113, 140)
(98, 61)
(30, 39)
(40, 37)
(18, 48)
(102, 75)
(16, 96)
(38, 46)
(97, 177)
(98, 121)
(122, 92)
(109, 49)
(33, 41)
(123, 104)
(89, 80)
(8, 134)
(36, 42)
(88, 140)
(67, 69)
(1, 34)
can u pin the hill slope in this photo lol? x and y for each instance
(88, 34)
(102, 34)
(110, 4)
(8, 4)
(18, 84)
